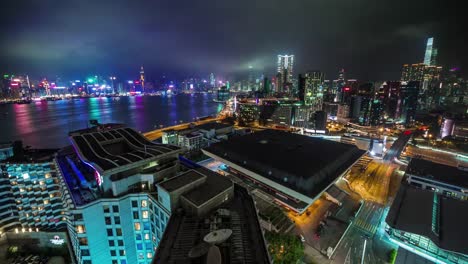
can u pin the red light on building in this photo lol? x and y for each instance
(346, 89)
(407, 132)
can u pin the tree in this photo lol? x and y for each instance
(284, 248)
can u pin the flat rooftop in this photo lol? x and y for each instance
(33, 156)
(182, 180)
(115, 146)
(416, 210)
(214, 185)
(184, 234)
(304, 164)
(438, 172)
(213, 125)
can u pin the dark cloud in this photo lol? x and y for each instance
(371, 39)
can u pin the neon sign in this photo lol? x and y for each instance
(57, 241)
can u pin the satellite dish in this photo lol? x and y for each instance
(218, 236)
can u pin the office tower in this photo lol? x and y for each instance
(311, 89)
(33, 193)
(116, 215)
(285, 65)
(266, 86)
(409, 92)
(389, 94)
(413, 72)
(248, 113)
(320, 118)
(279, 82)
(142, 79)
(212, 80)
(434, 57)
(5, 86)
(251, 79)
(376, 116)
(428, 53)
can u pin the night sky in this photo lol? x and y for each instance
(371, 39)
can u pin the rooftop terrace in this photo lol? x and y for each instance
(182, 241)
(110, 148)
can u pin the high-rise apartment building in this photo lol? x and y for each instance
(285, 65)
(311, 89)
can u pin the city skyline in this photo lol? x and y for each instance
(166, 41)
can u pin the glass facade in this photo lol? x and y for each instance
(427, 247)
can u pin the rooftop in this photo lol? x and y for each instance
(213, 125)
(438, 172)
(304, 164)
(214, 185)
(33, 156)
(175, 183)
(107, 148)
(439, 218)
(184, 235)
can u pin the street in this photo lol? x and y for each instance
(435, 156)
(366, 226)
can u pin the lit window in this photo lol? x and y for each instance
(147, 237)
(118, 231)
(122, 252)
(144, 203)
(137, 226)
(145, 214)
(141, 256)
(46, 201)
(80, 229)
(149, 255)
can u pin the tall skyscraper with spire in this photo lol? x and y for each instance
(142, 78)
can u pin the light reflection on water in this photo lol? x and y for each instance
(46, 124)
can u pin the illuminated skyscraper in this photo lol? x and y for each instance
(212, 80)
(311, 89)
(142, 78)
(429, 50)
(409, 101)
(285, 69)
(413, 72)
